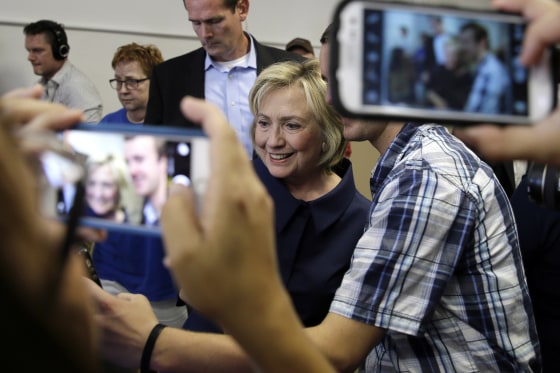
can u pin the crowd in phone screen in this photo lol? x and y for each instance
(411, 48)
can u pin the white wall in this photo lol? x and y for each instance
(96, 28)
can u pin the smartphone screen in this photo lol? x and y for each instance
(128, 170)
(423, 62)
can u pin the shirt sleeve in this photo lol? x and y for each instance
(404, 261)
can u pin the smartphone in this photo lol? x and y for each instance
(398, 61)
(84, 251)
(127, 170)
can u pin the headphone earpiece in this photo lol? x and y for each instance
(63, 49)
(60, 47)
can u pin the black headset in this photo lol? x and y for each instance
(60, 47)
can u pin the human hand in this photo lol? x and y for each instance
(124, 322)
(224, 259)
(26, 122)
(31, 243)
(229, 257)
(543, 29)
(33, 123)
(34, 92)
(21, 107)
(539, 142)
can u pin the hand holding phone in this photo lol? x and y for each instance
(84, 250)
(418, 62)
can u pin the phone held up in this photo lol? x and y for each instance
(124, 173)
(397, 61)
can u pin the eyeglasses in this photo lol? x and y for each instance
(128, 83)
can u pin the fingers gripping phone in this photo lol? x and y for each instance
(84, 251)
(126, 173)
(397, 61)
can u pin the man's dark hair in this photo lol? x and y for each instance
(229, 4)
(43, 27)
(55, 35)
(479, 32)
(326, 34)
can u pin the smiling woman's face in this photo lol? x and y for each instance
(102, 190)
(287, 136)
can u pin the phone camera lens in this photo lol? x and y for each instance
(543, 185)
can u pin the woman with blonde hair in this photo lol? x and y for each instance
(319, 214)
(108, 190)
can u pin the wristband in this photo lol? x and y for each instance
(149, 348)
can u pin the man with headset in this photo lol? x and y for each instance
(48, 49)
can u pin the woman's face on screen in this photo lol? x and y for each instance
(102, 190)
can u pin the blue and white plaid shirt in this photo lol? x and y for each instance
(439, 266)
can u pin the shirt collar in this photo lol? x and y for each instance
(251, 61)
(150, 214)
(387, 160)
(325, 210)
(59, 76)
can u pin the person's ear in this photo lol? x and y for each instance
(243, 9)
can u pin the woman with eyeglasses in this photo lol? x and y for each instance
(127, 262)
(133, 64)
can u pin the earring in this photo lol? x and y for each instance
(323, 147)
